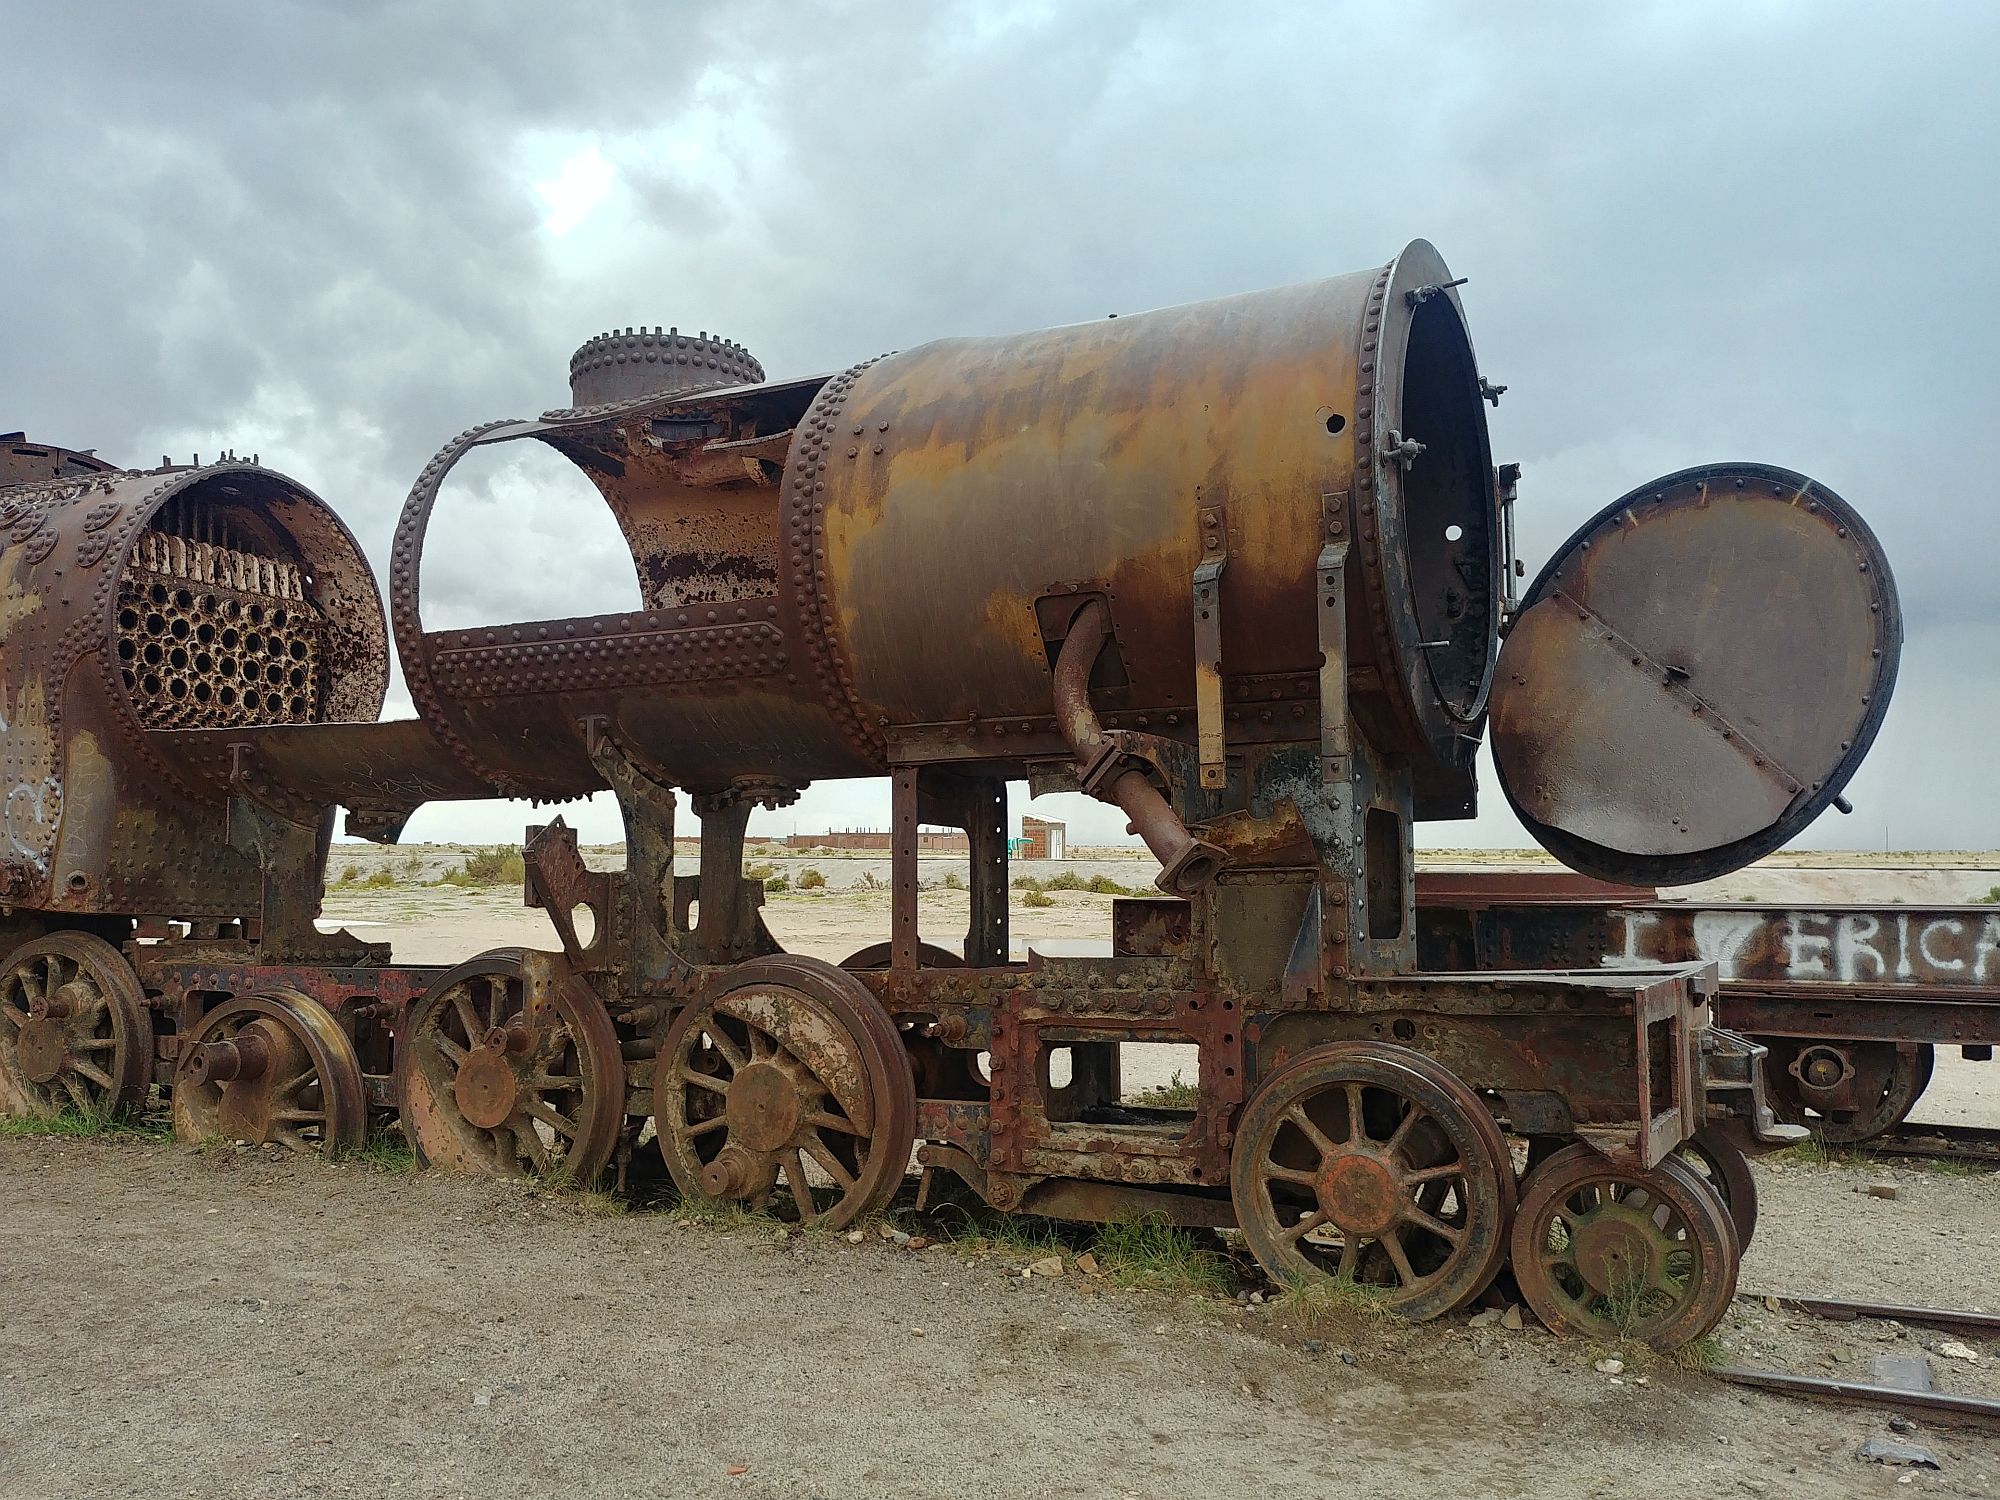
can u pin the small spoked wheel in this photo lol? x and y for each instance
(1606, 1252)
(787, 1086)
(270, 1069)
(1371, 1163)
(483, 1086)
(74, 1029)
(1722, 1162)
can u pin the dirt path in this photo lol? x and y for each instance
(180, 1323)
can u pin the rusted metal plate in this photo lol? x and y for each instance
(1695, 675)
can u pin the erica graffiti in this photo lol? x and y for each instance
(1840, 945)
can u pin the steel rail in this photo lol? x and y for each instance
(1838, 1310)
(1980, 1411)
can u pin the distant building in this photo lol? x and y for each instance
(1044, 839)
(929, 840)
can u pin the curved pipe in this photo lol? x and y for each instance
(1110, 774)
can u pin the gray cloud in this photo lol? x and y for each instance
(1694, 231)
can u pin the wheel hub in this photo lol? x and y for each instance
(1360, 1193)
(1822, 1068)
(43, 1049)
(763, 1107)
(486, 1089)
(1614, 1254)
(245, 1109)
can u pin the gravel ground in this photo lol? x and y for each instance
(226, 1325)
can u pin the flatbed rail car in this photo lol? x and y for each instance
(1239, 568)
(1852, 1001)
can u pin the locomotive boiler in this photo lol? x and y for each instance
(1241, 568)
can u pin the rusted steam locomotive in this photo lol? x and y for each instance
(1241, 568)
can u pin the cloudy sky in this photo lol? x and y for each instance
(336, 234)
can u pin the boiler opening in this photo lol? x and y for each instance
(1449, 513)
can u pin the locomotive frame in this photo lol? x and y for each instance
(1272, 691)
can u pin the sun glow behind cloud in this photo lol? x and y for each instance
(582, 182)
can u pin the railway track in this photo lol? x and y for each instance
(1967, 1143)
(1944, 1408)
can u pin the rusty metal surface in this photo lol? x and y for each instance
(1012, 465)
(25, 462)
(1910, 973)
(1696, 674)
(142, 599)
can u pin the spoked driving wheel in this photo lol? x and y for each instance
(270, 1069)
(483, 1086)
(1607, 1252)
(790, 1069)
(74, 1029)
(1370, 1162)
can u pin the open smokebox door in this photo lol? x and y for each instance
(1695, 675)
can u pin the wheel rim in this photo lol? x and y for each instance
(75, 1032)
(1724, 1167)
(271, 1069)
(789, 1087)
(1890, 1081)
(483, 1089)
(1374, 1164)
(1607, 1252)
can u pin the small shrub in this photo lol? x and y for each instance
(1175, 1093)
(380, 879)
(1036, 898)
(953, 881)
(1992, 897)
(486, 867)
(350, 875)
(773, 884)
(763, 870)
(811, 879)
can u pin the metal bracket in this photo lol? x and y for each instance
(1335, 734)
(1208, 645)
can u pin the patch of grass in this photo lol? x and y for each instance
(1992, 896)
(1175, 1093)
(1701, 1355)
(350, 875)
(724, 1213)
(1814, 1152)
(953, 881)
(378, 879)
(1327, 1301)
(1153, 1254)
(78, 1124)
(763, 870)
(385, 1150)
(984, 1231)
(1036, 898)
(1945, 1166)
(811, 879)
(778, 884)
(488, 867)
